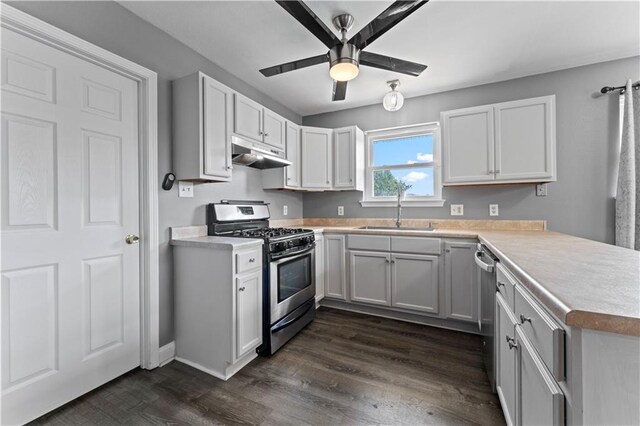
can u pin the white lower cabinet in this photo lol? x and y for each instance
(334, 267)
(319, 266)
(218, 306)
(370, 277)
(540, 399)
(461, 281)
(528, 392)
(506, 359)
(248, 312)
(399, 280)
(415, 282)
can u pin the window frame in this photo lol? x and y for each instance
(433, 128)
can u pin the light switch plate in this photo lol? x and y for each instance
(285, 210)
(340, 210)
(493, 210)
(185, 189)
(541, 190)
(457, 209)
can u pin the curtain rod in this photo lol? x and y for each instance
(609, 89)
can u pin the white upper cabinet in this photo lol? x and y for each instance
(293, 154)
(317, 157)
(202, 129)
(468, 145)
(509, 142)
(254, 122)
(247, 118)
(348, 158)
(286, 177)
(525, 140)
(274, 129)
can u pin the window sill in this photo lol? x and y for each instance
(403, 203)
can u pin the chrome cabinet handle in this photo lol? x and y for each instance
(229, 167)
(266, 134)
(490, 172)
(512, 343)
(500, 284)
(241, 289)
(132, 239)
(253, 259)
(524, 319)
(497, 171)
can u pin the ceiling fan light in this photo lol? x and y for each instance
(343, 62)
(393, 100)
(344, 71)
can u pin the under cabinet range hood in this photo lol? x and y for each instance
(246, 153)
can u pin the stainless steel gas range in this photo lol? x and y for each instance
(289, 286)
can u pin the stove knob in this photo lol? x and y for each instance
(290, 243)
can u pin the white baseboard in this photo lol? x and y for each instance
(167, 354)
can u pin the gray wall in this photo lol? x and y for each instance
(579, 203)
(112, 27)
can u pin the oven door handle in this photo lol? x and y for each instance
(294, 256)
(291, 321)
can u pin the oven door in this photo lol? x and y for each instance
(292, 282)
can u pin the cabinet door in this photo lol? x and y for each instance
(468, 145)
(344, 148)
(248, 312)
(334, 267)
(414, 282)
(292, 172)
(506, 359)
(319, 267)
(540, 400)
(525, 139)
(370, 277)
(274, 129)
(461, 281)
(247, 118)
(216, 142)
(316, 158)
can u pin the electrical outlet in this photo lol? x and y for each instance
(285, 210)
(457, 209)
(541, 190)
(185, 189)
(340, 210)
(493, 210)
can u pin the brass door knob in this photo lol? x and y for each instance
(132, 239)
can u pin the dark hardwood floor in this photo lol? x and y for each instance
(344, 368)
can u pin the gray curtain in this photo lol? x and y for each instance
(628, 189)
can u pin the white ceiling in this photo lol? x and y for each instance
(464, 43)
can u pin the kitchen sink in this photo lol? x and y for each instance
(395, 228)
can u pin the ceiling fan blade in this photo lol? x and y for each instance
(339, 90)
(310, 21)
(294, 65)
(385, 21)
(391, 64)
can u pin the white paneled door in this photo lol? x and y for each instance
(70, 282)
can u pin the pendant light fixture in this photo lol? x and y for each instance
(393, 100)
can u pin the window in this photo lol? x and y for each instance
(406, 158)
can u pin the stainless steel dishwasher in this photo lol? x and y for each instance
(486, 262)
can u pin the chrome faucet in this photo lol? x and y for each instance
(399, 215)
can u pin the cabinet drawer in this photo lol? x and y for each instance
(506, 285)
(369, 242)
(248, 260)
(545, 335)
(419, 245)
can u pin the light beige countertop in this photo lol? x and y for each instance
(586, 284)
(196, 236)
